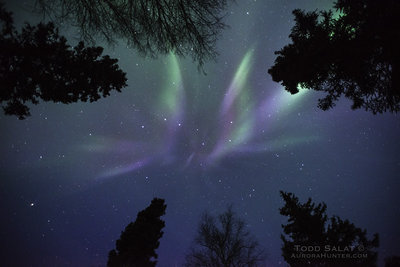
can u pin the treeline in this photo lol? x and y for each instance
(310, 238)
(350, 51)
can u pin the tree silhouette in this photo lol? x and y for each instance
(184, 27)
(138, 242)
(38, 64)
(309, 240)
(352, 52)
(224, 242)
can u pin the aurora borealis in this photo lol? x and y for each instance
(236, 125)
(73, 176)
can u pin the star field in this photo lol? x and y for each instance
(73, 176)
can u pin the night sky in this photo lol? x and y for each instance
(73, 176)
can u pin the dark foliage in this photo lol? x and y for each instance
(308, 232)
(138, 242)
(38, 64)
(352, 52)
(225, 242)
(184, 27)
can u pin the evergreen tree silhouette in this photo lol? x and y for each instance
(352, 52)
(37, 63)
(311, 239)
(138, 242)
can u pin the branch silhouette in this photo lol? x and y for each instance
(152, 27)
(224, 241)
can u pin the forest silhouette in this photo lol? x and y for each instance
(351, 52)
(38, 64)
(225, 241)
